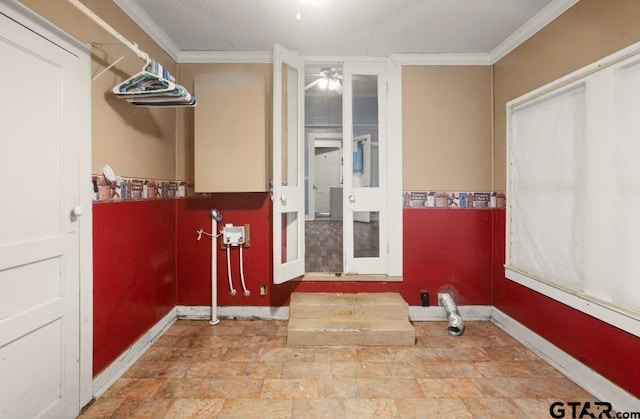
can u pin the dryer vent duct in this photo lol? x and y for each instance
(456, 325)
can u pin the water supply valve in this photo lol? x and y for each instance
(233, 235)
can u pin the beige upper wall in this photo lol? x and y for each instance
(245, 79)
(446, 123)
(135, 141)
(446, 126)
(446, 110)
(589, 31)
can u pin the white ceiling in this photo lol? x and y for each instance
(189, 29)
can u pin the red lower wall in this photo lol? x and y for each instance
(194, 257)
(147, 260)
(444, 250)
(610, 351)
(134, 281)
(447, 250)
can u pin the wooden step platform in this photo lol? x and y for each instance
(349, 319)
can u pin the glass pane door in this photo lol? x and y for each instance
(365, 197)
(288, 184)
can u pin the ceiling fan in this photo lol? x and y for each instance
(330, 78)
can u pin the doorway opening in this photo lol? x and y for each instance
(327, 201)
(355, 109)
(323, 169)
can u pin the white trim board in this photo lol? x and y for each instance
(530, 28)
(256, 57)
(607, 312)
(416, 313)
(251, 57)
(233, 312)
(600, 387)
(441, 59)
(142, 19)
(117, 368)
(437, 313)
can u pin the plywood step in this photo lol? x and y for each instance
(325, 305)
(331, 332)
(348, 319)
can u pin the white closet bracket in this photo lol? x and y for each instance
(110, 66)
(89, 13)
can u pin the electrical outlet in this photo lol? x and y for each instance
(263, 289)
(424, 298)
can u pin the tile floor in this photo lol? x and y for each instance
(244, 369)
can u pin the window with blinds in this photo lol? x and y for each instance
(573, 179)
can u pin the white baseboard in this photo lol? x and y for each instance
(437, 313)
(600, 387)
(117, 368)
(233, 312)
(416, 313)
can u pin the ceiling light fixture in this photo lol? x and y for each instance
(330, 78)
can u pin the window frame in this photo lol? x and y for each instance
(595, 297)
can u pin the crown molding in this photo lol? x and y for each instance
(225, 57)
(441, 59)
(343, 58)
(140, 17)
(531, 27)
(264, 57)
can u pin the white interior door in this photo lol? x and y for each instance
(327, 174)
(318, 185)
(288, 165)
(365, 185)
(39, 235)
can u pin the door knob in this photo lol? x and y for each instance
(283, 199)
(352, 199)
(77, 212)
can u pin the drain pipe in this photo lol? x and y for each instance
(456, 325)
(216, 217)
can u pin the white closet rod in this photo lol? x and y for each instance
(89, 13)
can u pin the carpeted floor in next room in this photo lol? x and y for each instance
(244, 369)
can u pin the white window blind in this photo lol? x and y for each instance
(546, 165)
(573, 225)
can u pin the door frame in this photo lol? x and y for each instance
(32, 21)
(393, 160)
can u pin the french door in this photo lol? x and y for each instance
(288, 165)
(364, 192)
(365, 214)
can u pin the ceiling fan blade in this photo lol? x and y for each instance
(313, 83)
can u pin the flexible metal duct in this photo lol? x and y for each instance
(456, 325)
